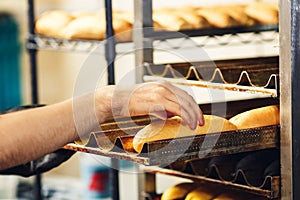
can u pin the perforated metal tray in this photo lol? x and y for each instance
(118, 144)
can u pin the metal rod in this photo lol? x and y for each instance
(110, 50)
(34, 89)
(288, 86)
(143, 25)
(110, 53)
(295, 83)
(32, 53)
(114, 177)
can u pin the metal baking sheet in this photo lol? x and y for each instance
(118, 144)
(272, 193)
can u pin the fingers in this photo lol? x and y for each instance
(182, 104)
(192, 105)
(172, 107)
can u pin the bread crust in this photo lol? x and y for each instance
(178, 191)
(173, 128)
(202, 193)
(264, 116)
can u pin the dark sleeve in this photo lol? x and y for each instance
(39, 165)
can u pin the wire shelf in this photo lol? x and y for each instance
(218, 40)
(58, 44)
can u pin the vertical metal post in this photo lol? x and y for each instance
(110, 50)
(110, 53)
(32, 53)
(34, 85)
(289, 15)
(143, 24)
(295, 78)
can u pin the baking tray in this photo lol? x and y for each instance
(255, 172)
(272, 193)
(117, 143)
(254, 72)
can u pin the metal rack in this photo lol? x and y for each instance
(272, 193)
(289, 98)
(33, 44)
(289, 84)
(147, 40)
(80, 45)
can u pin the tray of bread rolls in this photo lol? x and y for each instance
(191, 21)
(255, 173)
(151, 141)
(203, 191)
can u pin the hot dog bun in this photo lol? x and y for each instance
(172, 128)
(264, 116)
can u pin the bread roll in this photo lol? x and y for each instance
(169, 21)
(172, 128)
(263, 12)
(178, 191)
(258, 117)
(216, 18)
(202, 193)
(51, 23)
(190, 15)
(236, 12)
(85, 27)
(123, 29)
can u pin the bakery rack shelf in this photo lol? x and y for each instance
(74, 45)
(117, 143)
(205, 38)
(217, 40)
(272, 192)
(163, 34)
(48, 43)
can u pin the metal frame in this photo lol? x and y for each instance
(143, 46)
(34, 87)
(110, 54)
(289, 27)
(289, 98)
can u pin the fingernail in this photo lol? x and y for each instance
(201, 121)
(193, 126)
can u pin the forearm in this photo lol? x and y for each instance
(29, 134)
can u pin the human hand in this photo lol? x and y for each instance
(160, 99)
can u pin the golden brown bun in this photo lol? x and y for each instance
(216, 18)
(85, 27)
(172, 128)
(202, 193)
(264, 116)
(123, 29)
(178, 191)
(263, 12)
(51, 23)
(236, 12)
(169, 21)
(190, 15)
